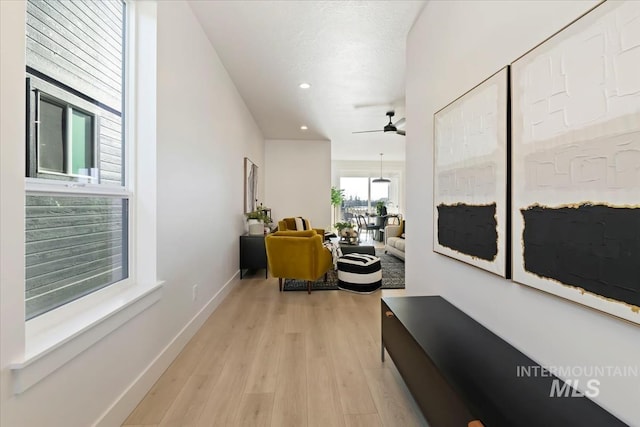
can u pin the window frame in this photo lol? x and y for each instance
(42, 182)
(67, 135)
(55, 338)
(369, 176)
(38, 88)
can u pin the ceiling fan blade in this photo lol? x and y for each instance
(401, 132)
(400, 122)
(389, 127)
(372, 104)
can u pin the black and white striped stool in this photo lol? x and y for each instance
(359, 273)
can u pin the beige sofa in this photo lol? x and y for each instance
(394, 240)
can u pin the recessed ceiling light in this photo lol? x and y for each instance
(303, 127)
(304, 85)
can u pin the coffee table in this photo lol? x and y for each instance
(347, 248)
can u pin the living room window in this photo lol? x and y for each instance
(362, 195)
(77, 203)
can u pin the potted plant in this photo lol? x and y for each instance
(346, 231)
(337, 197)
(342, 225)
(256, 220)
(380, 208)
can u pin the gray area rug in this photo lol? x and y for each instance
(392, 276)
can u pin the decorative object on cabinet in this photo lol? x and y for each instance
(256, 221)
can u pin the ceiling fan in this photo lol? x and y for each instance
(389, 127)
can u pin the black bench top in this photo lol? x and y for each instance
(483, 369)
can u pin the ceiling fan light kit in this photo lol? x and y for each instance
(381, 180)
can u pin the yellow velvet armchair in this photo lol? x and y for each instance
(297, 255)
(287, 224)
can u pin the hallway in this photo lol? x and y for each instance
(266, 358)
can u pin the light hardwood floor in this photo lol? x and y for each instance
(266, 358)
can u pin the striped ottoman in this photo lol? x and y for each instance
(359, 273)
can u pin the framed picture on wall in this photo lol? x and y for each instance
(250, 185)
(576, 162)
(470, 177)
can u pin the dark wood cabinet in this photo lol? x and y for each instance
(253, 255)
(438, 401)
(459, 371)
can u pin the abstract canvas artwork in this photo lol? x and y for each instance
(576, 162)
(470, 177)
(250, 185)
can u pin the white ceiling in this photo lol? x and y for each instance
(351, 52)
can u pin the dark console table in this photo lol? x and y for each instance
(460, 372)
(253, 254)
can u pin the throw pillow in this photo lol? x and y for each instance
(302, 224)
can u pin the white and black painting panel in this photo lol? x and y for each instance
(576, 162)
(470, 174)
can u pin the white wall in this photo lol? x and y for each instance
(298, 180)
(452, 47)
(204, 132)
(12, 161)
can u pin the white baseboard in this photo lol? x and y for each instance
(132, 395)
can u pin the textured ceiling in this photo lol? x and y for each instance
(351, 52)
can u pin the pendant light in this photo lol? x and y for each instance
(381, 180)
